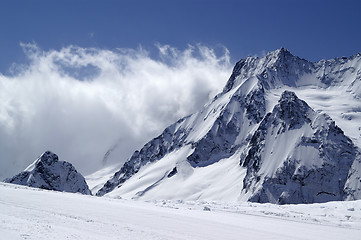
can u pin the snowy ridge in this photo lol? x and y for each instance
(257, 140)
(297, 156)
(214, 133)
(281, 68)
(47, 172)
(276, 69)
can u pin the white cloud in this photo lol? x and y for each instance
(78, 102)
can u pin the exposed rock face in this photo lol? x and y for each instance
(221, 139)
(47, 172)
(285, 151)
(225, 137)
(170, 139)
(309, 155)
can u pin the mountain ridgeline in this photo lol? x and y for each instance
(257, 140)
(283, 130)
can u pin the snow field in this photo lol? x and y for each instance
(27, 213)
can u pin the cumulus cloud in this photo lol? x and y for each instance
(79, 102)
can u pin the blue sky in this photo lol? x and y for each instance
(310, 29)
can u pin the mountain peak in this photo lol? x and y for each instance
(288, 96)
(280, 56)
(281, 52)
(298, 156)
(47, 172)
(292, 110)
(275, 69)
(48, 157)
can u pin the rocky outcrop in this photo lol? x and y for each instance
(171, 138)
(47, 172)
(297, 156)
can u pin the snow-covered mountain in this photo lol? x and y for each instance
(47, 172)
(297, 156)
(257, 140)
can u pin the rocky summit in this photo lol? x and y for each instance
(47, 172)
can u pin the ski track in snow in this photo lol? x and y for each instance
(28, 213)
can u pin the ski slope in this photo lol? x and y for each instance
(28, 213)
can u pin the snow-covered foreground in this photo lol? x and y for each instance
(27, 213)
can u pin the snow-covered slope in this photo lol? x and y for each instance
(28, 213)
(47, 172)
(97, 179)
(204, 138)
(257, 140)
(297, 156)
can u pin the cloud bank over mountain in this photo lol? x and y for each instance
(80, 101)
